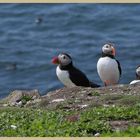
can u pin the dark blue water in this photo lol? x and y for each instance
(78, 29)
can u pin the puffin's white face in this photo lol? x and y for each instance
(63, 59)
(138, 71)
(108, 49)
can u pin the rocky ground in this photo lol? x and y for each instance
(75, 98)
(78, 99)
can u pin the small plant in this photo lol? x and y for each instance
(96, 93)
(25, 99)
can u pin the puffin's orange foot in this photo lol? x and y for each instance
(106, 83)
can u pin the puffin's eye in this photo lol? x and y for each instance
(107, 46)
(64, 57)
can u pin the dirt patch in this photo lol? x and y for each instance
(121, 125)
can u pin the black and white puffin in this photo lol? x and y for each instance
(108, 67)
(137, 81)
(69, 75)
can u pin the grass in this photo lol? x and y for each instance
(39, 122)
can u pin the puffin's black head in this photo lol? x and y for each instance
(62, 59)
(108, 49)
(138, 72)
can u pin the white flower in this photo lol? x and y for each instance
(13, 126)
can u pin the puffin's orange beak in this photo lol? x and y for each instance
(113, 51)
(55, 60)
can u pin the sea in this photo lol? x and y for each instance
(32, 34)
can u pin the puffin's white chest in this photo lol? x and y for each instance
(63, 76)
(108, 70)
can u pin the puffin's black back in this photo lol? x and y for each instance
(119, 66)
(78, 77)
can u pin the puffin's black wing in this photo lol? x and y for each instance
(79, 78)
(119, 66)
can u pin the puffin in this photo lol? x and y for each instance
(137, 81)
(68, 74)
(108, 68)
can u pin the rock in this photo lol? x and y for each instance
(83, 106)
(106, 105)
(20, 97)
(97, 135)
(5, 105)
(33, 103)
(58, 100)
